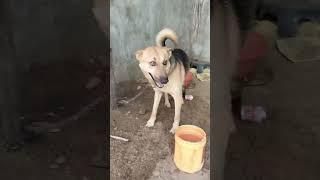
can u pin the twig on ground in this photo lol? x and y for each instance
(132, 99)
(119, 138)
(99, 165)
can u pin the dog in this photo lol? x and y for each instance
(165, 70)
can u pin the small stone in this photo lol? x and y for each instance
(91, 60)
(12, 147)
(142, 111)
(60, 160)
(156, 173)
(93, 82)
(52, 114)
(85, 178)
(138, 87)
(54, 130)
(142, 81)
(53, 166)
(129, 112)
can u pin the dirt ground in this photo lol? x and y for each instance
(286, 145)
(148, 154)
(55, 92)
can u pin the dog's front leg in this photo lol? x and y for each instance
(166, 100)
(178, 101)
(156, 101)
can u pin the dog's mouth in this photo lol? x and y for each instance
(158, 84)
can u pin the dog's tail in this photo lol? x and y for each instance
(165, 34)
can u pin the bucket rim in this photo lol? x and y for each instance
(196, 128)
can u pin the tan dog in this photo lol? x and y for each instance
(165, 69)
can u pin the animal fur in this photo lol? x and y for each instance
(165, 69)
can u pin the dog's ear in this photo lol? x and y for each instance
(139, 54)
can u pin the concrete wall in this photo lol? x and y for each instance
(135, 23)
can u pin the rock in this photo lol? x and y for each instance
(13, 147)
(156, 173)
(85, 178)
(142, 111)
(61, 160)
(142, 81)
(93, 82)
(53, 166)
(138, 87)
(103, 61)
(54, 130)
(51, 114)
(91, 61)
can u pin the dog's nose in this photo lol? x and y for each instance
(164, 80)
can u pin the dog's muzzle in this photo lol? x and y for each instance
(162, 81)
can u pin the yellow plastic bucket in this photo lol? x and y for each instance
(189, 146)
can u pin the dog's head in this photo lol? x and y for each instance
(155, 64)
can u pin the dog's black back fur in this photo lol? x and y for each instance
(181, 57)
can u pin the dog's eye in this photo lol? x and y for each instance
(165, 63)
(153, 63)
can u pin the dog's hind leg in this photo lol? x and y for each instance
(178, 101)
(157, 98)
(166, 100)
(183, 94)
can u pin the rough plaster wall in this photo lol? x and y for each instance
(135, 23)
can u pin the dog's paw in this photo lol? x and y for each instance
(174, 127)
(150, 123)
(167, 104)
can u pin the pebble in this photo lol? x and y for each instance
(60, 160)
(51, 114)
(142, 111)
(156, 173)
(85, 178)
(91, 60)
(54, 166)
(93, 82)
(54, 130)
